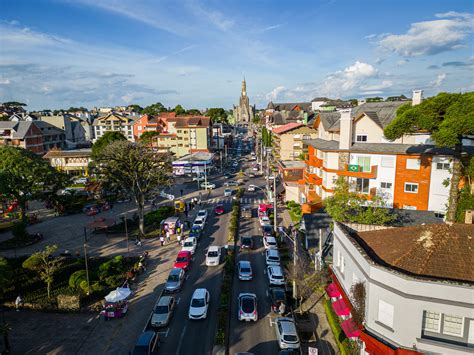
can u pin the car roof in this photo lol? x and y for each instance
(287, 325)
(252, 295)
(276, 270)
(244, 263)
(176, 271)
(184, 252)
(164, 300)
(273, 252)
(200, 211)
(190, 239)
(269, 237)
(199, 293)
(213, 248)
(145, 338)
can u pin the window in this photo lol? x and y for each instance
(364, 163)
(411, 187)
(431, 321)
(362, 185)
(385, 315)
(139, 128)
(361, 138)
(452, 325)
(388, 162)
(413, 164)
(442, 166)
(386, 185)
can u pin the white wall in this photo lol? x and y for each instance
(439, 194)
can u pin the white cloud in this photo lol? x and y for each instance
(276, 94)
(385, 84)
(5, 81)
(439, 80)
(402, 62)
(431, 37)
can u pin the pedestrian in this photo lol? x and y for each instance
(18, 303)
(181, 192)
(282, 308)
(179, 239)
(162, 240)
(141, 266)
(168, 237)
(139, 243)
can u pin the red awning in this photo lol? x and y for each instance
(341, 308)
(332, 290)
(350, 328)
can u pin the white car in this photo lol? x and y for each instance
(213, 256)
(251, 188)
(199, 223)
(275, 275)
(190, 244)
(255, 168)
(227, 192)
(81, 180)
(245, 270)
(208, 185)
(286, 334)
(272, 257)
(198, 178)
(247, 307)
(264, 220)
(270, 242)
(199, 304)
(202, 214)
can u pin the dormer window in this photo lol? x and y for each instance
(361, 138)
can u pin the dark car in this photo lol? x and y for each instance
(246, 242)
(277, 296)
(195, 232)
(219, 210)
(147, 343)
(267, 230)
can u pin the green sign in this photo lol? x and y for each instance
(353, 168)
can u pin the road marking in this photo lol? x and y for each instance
(179, 299)
(165, 333)
(181, 338)
(264, 271)
(187, 277)
(266, 292)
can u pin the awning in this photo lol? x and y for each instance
(341, 308)
(350, 328)
(332, 290)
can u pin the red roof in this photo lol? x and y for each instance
(199, 150)
(287, 127)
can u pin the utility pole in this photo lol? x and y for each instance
(87, 269)
(295, 294)
(274, 206)
(205, 175)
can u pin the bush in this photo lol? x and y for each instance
(155, 217)
(466, 202)
(110, 270)
(76, 278)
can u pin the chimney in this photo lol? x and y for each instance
(417, 97)
(345, 140)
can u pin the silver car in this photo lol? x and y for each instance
(175, 280)
(286, 334)
(245, 270)
(163, 311)
(247, 307)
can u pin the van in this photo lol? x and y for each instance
(272, 257)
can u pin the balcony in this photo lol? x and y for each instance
(356, 171)
(314, 161)
(312, 178)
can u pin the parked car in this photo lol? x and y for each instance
(147, 343)
(264, 220)
(190, 244)
(270, 242)
(277, 297)
(199, 223)
(275, 275)
(199, 304)
(247, 307)
(163, 311)
(245, 270)
(195, 232)
(213, 255)
(246, 211)
(219, 209)
(183, 260)
(202, 214)
(208, 185)
(198, 178)
(272, 257)
(286, 334)
(251, 188)
(267, 230)
(227, 192)
(231, 183)
(175, 280)
(246, 242)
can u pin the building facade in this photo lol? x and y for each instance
(114, 122)
(73, 162)
(287, 140)
(418, 291)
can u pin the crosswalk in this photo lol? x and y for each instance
(243, 200)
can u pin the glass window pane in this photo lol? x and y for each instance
(431, 321)
(452, 325)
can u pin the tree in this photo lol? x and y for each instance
(266, 137)
(5, 276)
(349, 206)
(24, 176)
(133, 168)
(148, 136)
(194, 112)
(450, 119)
(179, 110)
(217, 115)
(135, 108)
(154, 109)
(374, 99)
(45, 264)
(14, 104)
(108, 138)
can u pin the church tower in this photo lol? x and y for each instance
(243, 112)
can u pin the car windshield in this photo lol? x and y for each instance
(212, 254)
(201, 214)
(198, 302)
(188, 244)
(198, 221)
(173, 278)
(290, 338)
(273, 258)
(277, 277)
(161, 309)
(248, 305)
(245, 270)
(181, 259)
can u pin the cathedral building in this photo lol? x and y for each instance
(244, 113)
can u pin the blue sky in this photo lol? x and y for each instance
(61, 53)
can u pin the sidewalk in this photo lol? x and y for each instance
(325, 343)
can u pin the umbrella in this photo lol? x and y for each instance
(118, 295)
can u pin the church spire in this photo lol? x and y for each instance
(244, 88)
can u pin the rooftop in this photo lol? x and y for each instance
(68, 153)
(287, 127)
(292, 164)
(437, 251)
(197, 156)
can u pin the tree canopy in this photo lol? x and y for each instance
(147, 137)
(374, 99)
(105, 140)
(179, 110)
(217, 115)
(135, 108)
(155, 109)
(24, 176)
(193, 111)
(14, 104)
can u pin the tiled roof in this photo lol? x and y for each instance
(192, 121)
(68, 153)
(287, 127)
(435, 251)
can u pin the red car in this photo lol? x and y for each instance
(183, 260)
(219, 209)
